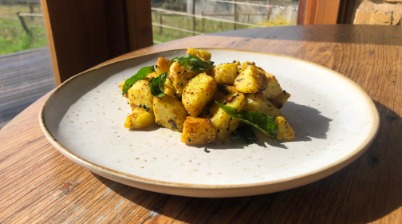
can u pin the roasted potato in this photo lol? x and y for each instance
(202, 54)
(250, 80)
(184, 100)
(223, 122)
(198, 92)
(162, 65)
(198, 131)
(139, 118)
(225, 74)
(256, 102)
(180, 76)
(280, 99)
(273, 87)
(140, 95)
(285, 131)
(169, 112)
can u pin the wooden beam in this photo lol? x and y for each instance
(318, 12)
(83, 34)
(139, 22)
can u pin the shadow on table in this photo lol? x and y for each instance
(323, 33)
(364, 191)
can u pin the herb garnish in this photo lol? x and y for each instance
(194, 63)
(142, 73)
(157, 85)
(261, 121)
(247, 134)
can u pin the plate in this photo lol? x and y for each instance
(334, 119)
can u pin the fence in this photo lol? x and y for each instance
(176, 19)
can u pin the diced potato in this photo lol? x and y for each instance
(140, 118)
(162, 65)
(210, 110)
(225, 74)
(245, 64)
(198, 92)
(280, 99)
(121, 86)
(180, 76)
(273, 87)
(223, 92)
(168, 88)
(250, 80)
(224, 123)
(198, 131)
(202, 54)
(256, 102)
(151, 76)
(285, 131)
(140, 95)
(169, 112)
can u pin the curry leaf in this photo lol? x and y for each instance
(158, 84)
(142, 73)
(194, 63)
(247, 134)
(261, 121)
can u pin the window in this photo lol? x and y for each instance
(173, 19)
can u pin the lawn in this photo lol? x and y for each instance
(163, 34)
(13, 37)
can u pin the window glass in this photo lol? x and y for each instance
(22, 26)
(25, 67)
(173, 19)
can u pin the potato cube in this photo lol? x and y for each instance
(256, 102)
(223, 122)
(285, 131)
(280, 99)
(140, 95)
(180, 76)
(162, 65)
(168, 88)
(140, 118)
(273, 87)
(250, 80)
(198, 131)
(198, 92)
(225, 74)
(202, 54)
(169, 112)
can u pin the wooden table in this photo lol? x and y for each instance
(40, 185)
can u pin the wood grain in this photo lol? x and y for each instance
(85, 33)
(40, 185)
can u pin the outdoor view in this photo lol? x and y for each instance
(25, 68)
(172, 19)
(21, 26)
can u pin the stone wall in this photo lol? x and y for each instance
(378, 12)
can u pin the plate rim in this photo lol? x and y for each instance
(212, 190)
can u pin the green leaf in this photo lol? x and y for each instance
(194, 63)
(158, 84)
(259, 120)
(247, 134)
(142, 73)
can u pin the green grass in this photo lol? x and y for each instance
(13, 37)
(201, 26)
(163, 34)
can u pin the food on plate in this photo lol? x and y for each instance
(207, 103)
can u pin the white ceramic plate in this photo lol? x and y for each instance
(334, 119)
